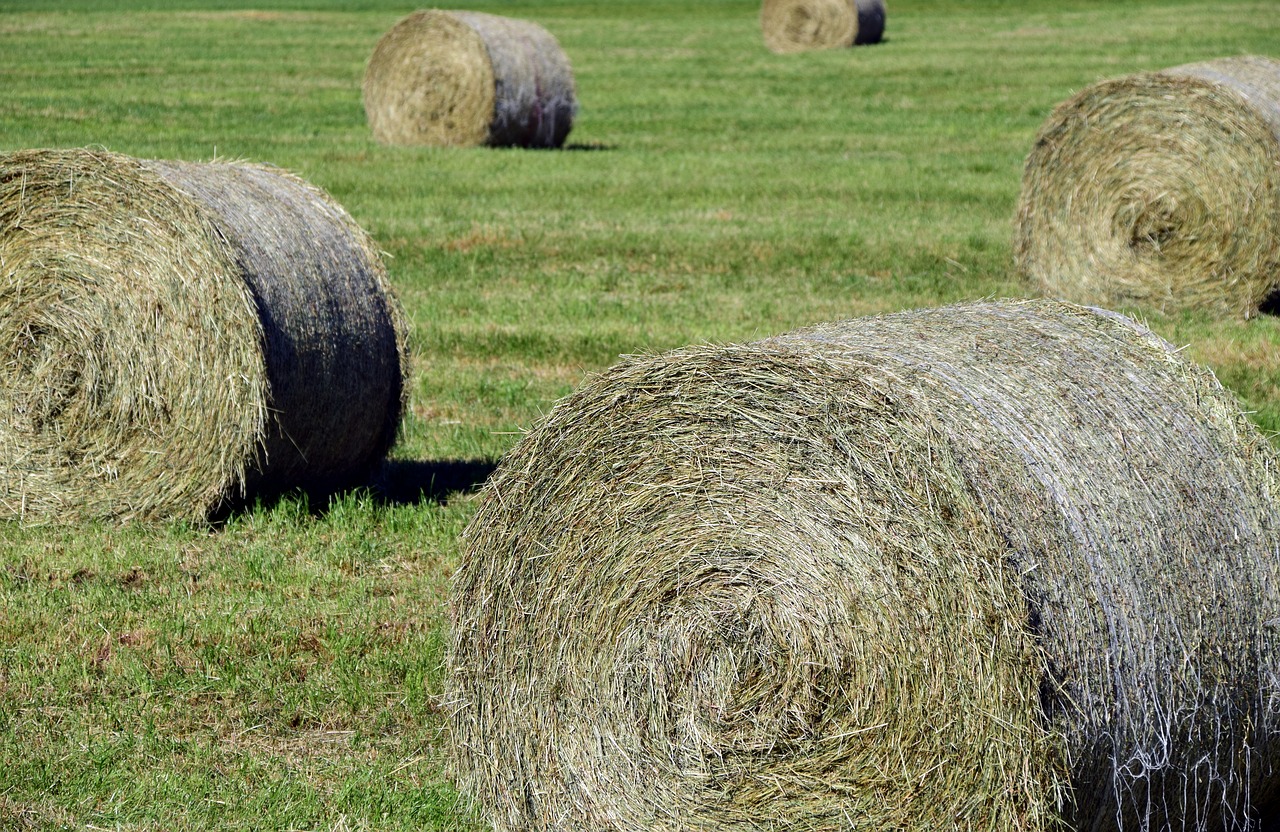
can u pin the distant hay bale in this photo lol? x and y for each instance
(803, 25)
(1159, 190)
(467, 78)
(175, 336)
(991, 566)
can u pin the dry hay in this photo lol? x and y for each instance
(804, 25)
(175, 336)
(1159, 190)
(467, 78)
(989, 566)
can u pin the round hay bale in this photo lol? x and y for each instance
(177, 336)
(460, 79)
(1159, 190)
(805, 25)
(992, 566)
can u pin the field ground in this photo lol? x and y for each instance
(279, 672)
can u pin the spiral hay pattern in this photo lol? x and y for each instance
(993, 566)
(1159, 190)
(176, 337)
(805, 25)
(460, 79)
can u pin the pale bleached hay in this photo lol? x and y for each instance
(176, 336)
(1159, 190)
(993, 566)
(466, 78)
(805, 25)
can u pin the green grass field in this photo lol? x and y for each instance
(279, 672)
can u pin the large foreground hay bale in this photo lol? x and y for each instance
(804, 25)
(467, 78)
(1159, 189)
(982, 567)
(174, 336)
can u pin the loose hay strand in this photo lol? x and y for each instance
(176, 335)
(1159, 190)
(804, 25)
(461, 79)
(996, 566)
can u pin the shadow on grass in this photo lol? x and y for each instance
(409, 482)
(393, 483)
(589, 146)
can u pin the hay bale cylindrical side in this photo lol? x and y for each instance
(992, 566)
(1159, 190)
(805, 25)
(178, 336)
(462, 79)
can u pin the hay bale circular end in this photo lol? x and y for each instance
(804, 25)
(178, 336)
(851, 576)
(1159, 190)
(461, 79)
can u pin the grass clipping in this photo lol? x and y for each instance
(805, 25)
(991, 566)
(176, 336)
(461, 79)
(1159, 190)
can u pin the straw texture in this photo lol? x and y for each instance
(178, 336)
(805, 25)
(466, 78)
(1005, 566)
(1159, 190)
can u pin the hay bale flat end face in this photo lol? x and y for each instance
(805, 25)
(461, 79)
(166, 325)
(113, 286)
(430, 82)
(1159, 190)
(859, 572)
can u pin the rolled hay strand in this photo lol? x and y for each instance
(460, 79)
(805, 25)
(176, 336)
(992, 566)
(1159, 190)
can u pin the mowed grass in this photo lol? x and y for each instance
(281, 671)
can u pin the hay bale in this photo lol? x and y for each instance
(1159, 190)
(990, 566)
(459, 79)
(804, 25)
(178, 335)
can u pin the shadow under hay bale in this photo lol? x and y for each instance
(177, 336)
(991, 566)
(805, 25)
(1159, 190)
(466, 78)
(410, 482)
